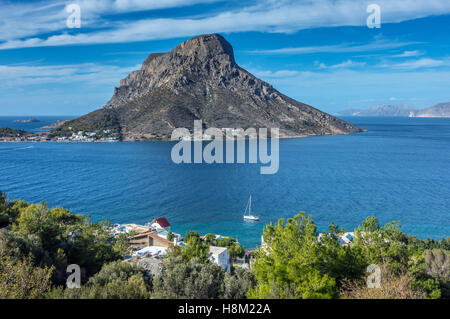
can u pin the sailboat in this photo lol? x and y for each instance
(248, 216)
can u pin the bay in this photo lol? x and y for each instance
(398, 170)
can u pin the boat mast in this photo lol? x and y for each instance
(250, 205)
(245, 211)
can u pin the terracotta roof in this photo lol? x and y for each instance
(162, 221)
(153, 235)
(143, 234)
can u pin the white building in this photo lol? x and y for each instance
(127, 228)
(160, 223)
(220, 256)
(151, 251)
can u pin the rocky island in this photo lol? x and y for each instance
(197, 80)
(27, 121)
(438, 110)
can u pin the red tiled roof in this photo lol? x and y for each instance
(162, 221)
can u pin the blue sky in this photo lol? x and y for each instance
(319, 52)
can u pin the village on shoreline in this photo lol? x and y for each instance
(49, 134)
(9, 135)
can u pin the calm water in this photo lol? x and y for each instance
(399, 170)
(14, 122)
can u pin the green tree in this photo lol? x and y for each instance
(337, 260)
(234, 248)
(8, 211)
(20, 279)
(4, 207)
(189, 280)
(118, 270)
(20, 246)
(236, 285)
(122, 244)
(196, 248)
(376, 244)
(190, 234)
(170, 236)
(91, 246)
(131, 288)
(210, 239)
(48, 225)
(116, 280)
(286, 266)
(68, 238)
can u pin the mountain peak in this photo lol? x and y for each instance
(199, 49)
(199, 79)
(213, 44)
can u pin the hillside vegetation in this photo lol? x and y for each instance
(37, 243)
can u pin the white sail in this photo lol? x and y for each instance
(249, 216)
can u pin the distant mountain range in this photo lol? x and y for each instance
(438, 110)
(199, 80)
(379, 110)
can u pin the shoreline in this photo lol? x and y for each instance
(168, 140)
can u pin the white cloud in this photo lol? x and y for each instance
(408, 54)
(377, 45)
(22, 75)
(417, 64)
(19, 20)
(273, 75)
(345, 64)
(138, 5)
(267, 16)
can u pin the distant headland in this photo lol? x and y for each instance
(438, 110)
(27, 121)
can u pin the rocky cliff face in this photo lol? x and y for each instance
(199, 79)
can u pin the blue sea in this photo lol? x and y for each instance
(398, 170)
(16, 122)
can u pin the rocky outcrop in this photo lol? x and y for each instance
(199, 79)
